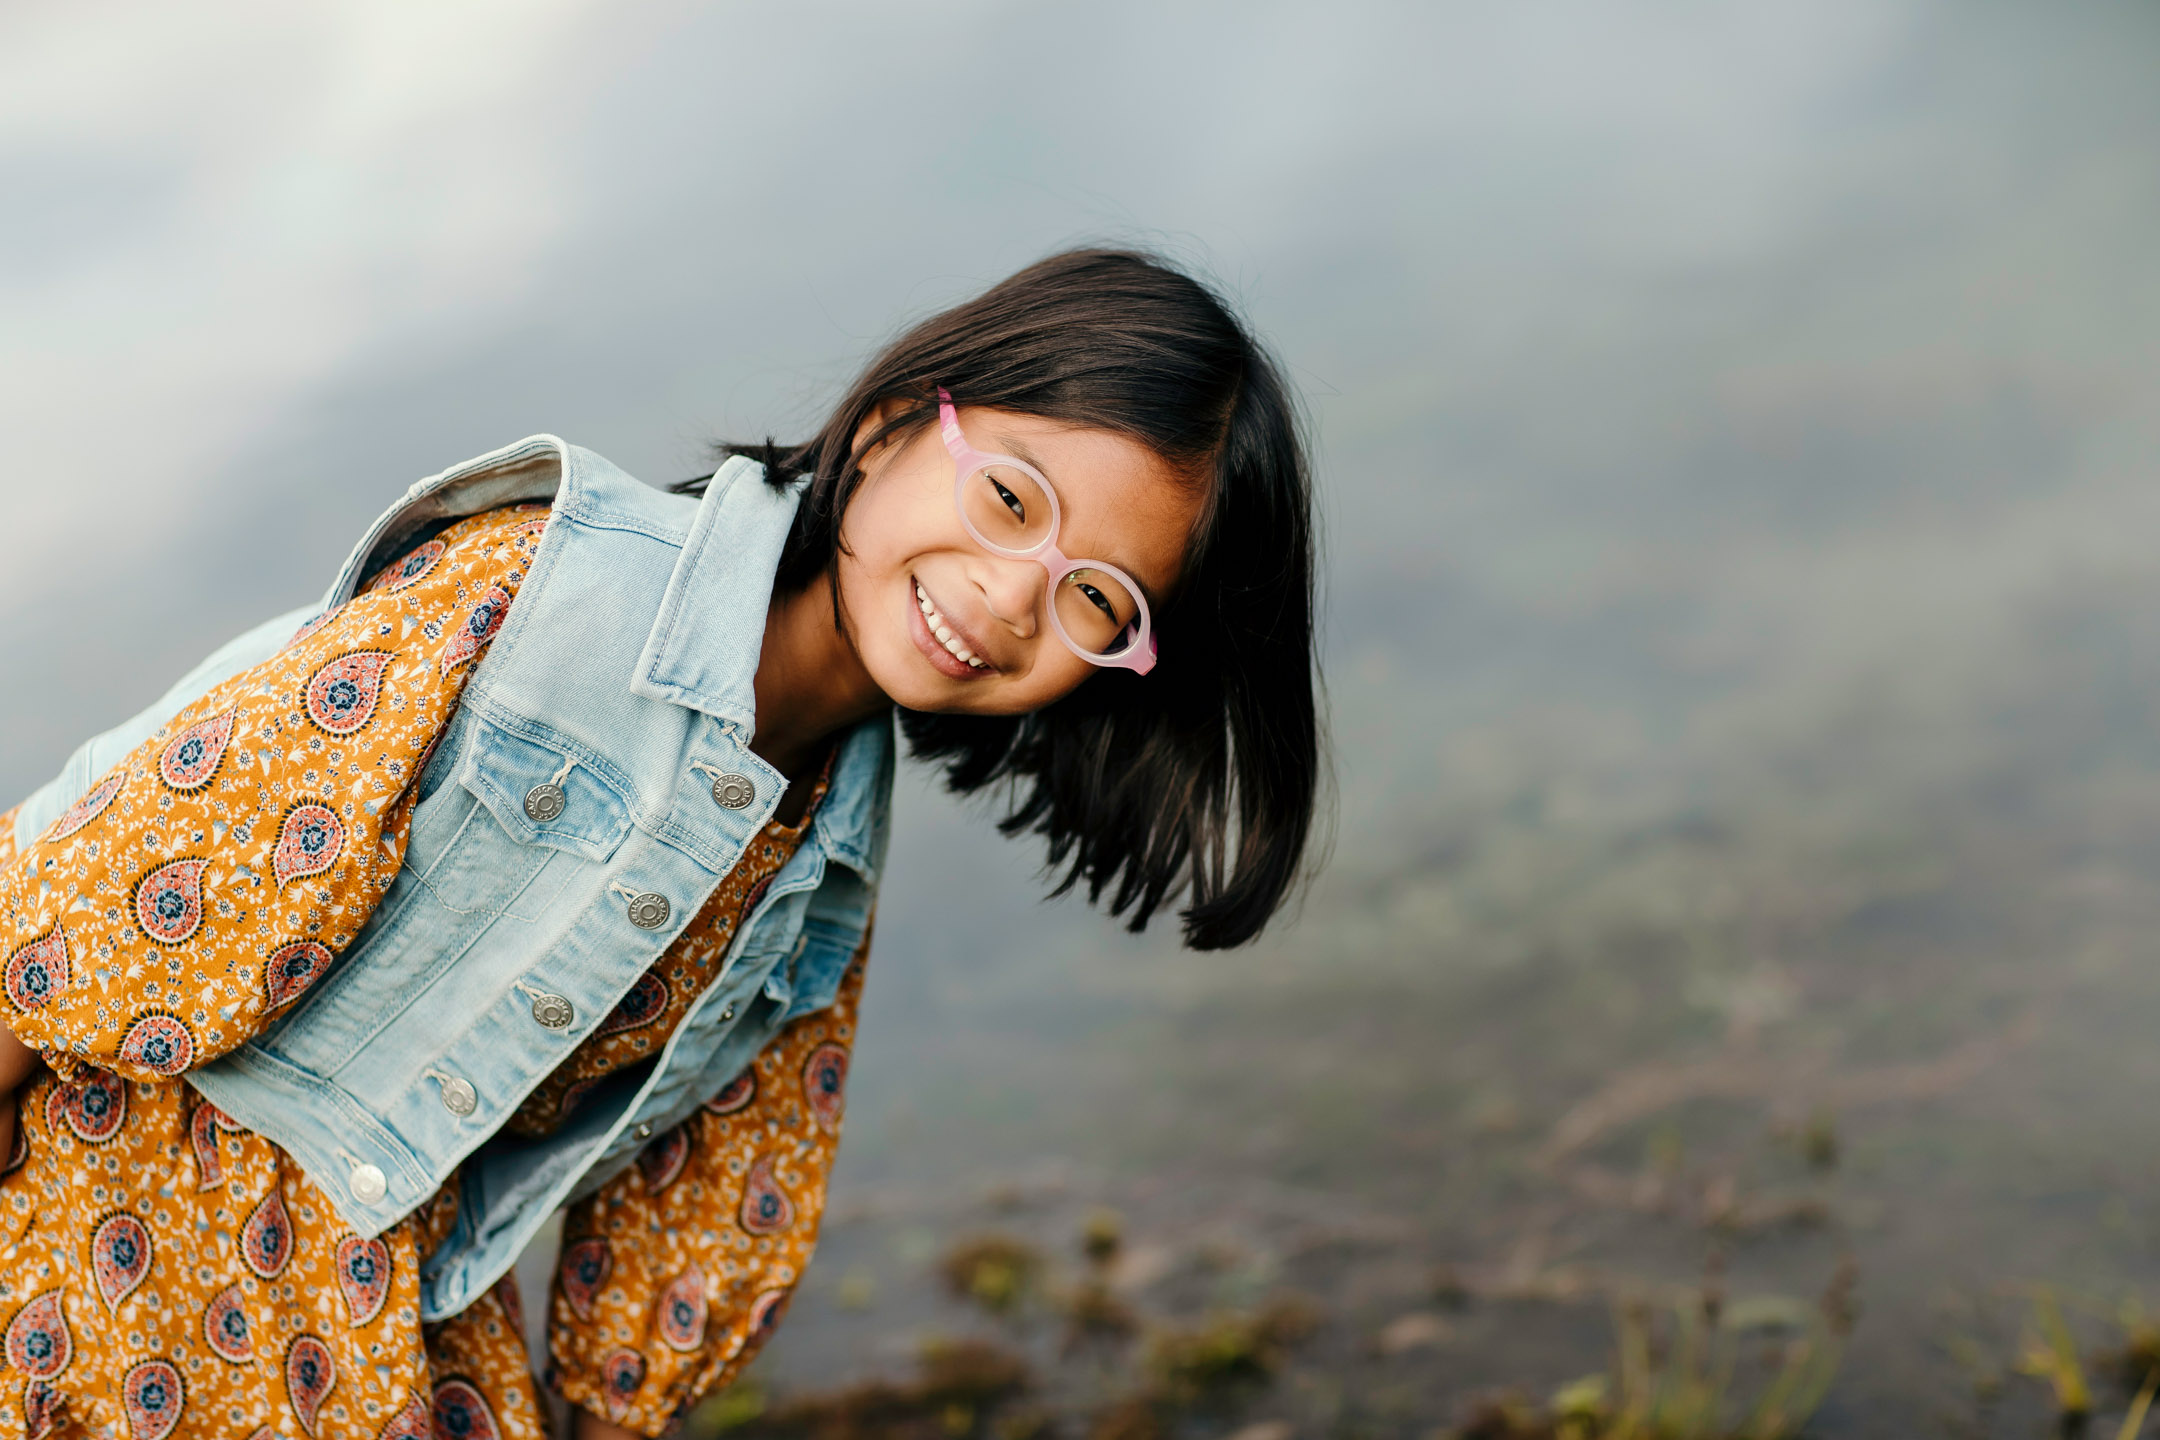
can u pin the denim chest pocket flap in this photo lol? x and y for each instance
(547, 796)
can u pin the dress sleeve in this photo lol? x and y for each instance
(217, 870)
(675, 1273)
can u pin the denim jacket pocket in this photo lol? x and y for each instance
(544, 793)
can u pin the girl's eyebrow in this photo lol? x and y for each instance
(1019, 451)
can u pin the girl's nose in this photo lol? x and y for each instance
(1010, 591)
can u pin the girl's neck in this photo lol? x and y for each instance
(810, 683)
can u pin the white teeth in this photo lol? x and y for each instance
(944, 632)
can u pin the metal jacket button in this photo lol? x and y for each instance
(553, 1011)
(650, 910)
(367, 1184)
(458, 1096)
(545, 802)
(727, 1012)
(733, 790)
(644, 1130)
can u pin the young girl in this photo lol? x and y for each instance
(534, 867)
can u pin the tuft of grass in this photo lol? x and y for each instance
(1205, 1363)
(1819, 1141)
(995, 1271)
(1227, 1350)
(2140, 1354)
(1093, 1311)
(1674, 1375)
(1102, 1238)
(2049, 1352)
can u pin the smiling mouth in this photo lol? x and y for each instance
(942, 632)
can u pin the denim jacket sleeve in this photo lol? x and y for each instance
(217, 868)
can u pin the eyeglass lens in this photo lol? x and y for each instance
(1008, 509)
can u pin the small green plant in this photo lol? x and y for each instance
(1093, 1311)
(2140, 1354)
(2049, 1352)
(1819, 1141)
(997, 1272)
(1226, 1350)
(1674, 1374)
(1102, 1238)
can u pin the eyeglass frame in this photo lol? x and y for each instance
(1139, 655)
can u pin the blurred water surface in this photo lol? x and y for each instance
(1737, 431)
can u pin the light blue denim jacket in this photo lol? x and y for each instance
(628, 656)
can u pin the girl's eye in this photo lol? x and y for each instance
(1099, 600)
(1012, 501)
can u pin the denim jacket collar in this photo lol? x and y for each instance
(702, 650)
(704, 646)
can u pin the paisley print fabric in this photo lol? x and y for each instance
(37, 970)
(266, 1239)
(766, 1209)
(155, 1398)
(94, 1107)
(411, 570)
(38, 1342)
(119, 1257)
(159, 1043)
(225, 1327)
(645, 1003)
(308, 843)
(190, 759)
(363, 1274)
(664, 1294)
(477, 628)
(310, 1376)
(164, 1272)
(82, 812)
(198, 856)
(168, 902)
(824, 1082)
(291, 969)
(735, 1094)
(341, 696)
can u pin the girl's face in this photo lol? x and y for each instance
(903, 544)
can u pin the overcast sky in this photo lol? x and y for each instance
(1642, 340)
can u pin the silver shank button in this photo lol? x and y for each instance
(733, 791)
(650, 910)
(553, 1011)
(459, 1097)
(367, 1184)
(545, 802)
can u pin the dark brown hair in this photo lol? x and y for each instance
(1200, 778)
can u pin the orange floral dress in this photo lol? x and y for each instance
(164, 1272)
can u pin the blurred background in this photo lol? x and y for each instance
(1737, 432)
